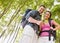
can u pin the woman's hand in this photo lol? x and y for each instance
(57, 26)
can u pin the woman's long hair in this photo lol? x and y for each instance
(50, 15)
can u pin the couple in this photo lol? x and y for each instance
(35, 25)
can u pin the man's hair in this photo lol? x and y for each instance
(43, 6)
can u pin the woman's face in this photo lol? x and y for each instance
(47, 15)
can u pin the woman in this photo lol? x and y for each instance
(45, 28)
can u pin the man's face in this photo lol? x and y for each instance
(41, 9)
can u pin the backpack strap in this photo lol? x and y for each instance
(50, 30)
(24, 21)
(53, 32)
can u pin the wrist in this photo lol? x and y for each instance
(38, 22)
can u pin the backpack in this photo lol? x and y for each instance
(53, 32)
(24, 21)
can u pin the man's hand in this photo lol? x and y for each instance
(32, 20)
(40, 22)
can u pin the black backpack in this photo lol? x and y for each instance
(53, 32)
(24, 21)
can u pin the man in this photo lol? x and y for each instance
(31, 29)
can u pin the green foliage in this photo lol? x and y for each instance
(58, 0)
(11, 11)
(48, 3)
